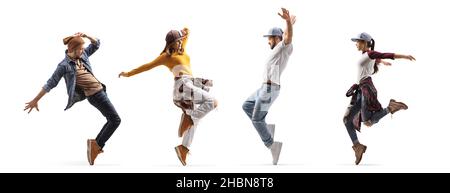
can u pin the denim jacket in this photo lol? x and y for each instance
(67, 69)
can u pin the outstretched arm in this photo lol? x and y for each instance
(290, 21)
(408, 57)
(378, 55)
(34, 103)
(158, 61)
(386, 63)
(52, 82)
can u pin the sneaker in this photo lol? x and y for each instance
(275, 149)
(93, 149)
(182, 153)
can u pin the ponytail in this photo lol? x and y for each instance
(372, 47)
(372, 44)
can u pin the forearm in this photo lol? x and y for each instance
(379, 55)
(185, 32)
(289, 31)
(92, 39)
(40, 95)
(400, 56)
(140, 69)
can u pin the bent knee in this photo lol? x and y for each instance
(116, 120)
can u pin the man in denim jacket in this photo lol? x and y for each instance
(81, 84)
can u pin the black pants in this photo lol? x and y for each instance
(101, 101)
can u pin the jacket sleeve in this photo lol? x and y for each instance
(92, 48)
(53, 81)
(379, 55)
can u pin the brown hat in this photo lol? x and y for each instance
(73, 42)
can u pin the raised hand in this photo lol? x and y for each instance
(80, 34)
(286, 16)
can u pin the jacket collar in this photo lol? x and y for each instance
(71, 61)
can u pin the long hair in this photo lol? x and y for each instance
(169, 50)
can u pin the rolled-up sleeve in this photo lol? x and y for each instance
(54, 79)
(92, 48)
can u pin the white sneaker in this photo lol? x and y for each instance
(271, 128)
(275, 148)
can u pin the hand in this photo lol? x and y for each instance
(385, 63)
(286, 16)
(293, 19)
(409, 57)
(80, 34)
(31, 105)
(123, 74)
(184, 31)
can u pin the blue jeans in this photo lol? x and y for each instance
(257, 106)
(101, 101)
(366, 115)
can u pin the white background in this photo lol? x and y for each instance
(226, 45)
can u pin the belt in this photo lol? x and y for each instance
(271, 83)
(180, 75)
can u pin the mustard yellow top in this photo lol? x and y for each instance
(177, 63)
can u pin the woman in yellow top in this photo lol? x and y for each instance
(190, 94)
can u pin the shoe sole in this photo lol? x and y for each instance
(89, 153)
(177, 150)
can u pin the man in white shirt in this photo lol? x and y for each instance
(258, 104)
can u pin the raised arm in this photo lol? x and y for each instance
(290, 21)
(185, 32)
(93, 47)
